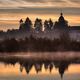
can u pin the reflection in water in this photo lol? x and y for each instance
(49, 63)
(39, 65)
(27, 63)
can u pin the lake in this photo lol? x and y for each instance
(40, 66)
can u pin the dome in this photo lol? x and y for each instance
(61, 18)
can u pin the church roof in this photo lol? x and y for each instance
(61, 18)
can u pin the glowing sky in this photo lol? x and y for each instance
(15, 9)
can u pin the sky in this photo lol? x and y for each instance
(11, 11)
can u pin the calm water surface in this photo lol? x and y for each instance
(16, 70)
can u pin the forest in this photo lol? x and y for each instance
(33, 44)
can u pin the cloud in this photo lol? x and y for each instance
(40, 6)
(38, 3)
(45, 10)
(76, 1)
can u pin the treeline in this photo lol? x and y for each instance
(39, 45)
(38, 24)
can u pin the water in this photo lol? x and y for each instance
(13, 73)
(26, 67)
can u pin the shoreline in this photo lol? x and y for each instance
(58, 56)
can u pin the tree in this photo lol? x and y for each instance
(46, 25)
(38, 24)
(50, 24)
(28, 24)
(21, 24)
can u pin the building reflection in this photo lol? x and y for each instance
(27, 64)
(48, 65)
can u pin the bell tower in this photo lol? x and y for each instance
(61, 18)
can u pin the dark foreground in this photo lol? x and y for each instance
(33, 44)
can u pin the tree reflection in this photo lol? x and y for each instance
(27, 64)
(62, 66)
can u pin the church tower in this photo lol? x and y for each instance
(61, 23)
(61, 18)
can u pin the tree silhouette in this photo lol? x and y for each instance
(28, 24)
(46, 25)
(38, 24)
(21, 24)
(50, 24)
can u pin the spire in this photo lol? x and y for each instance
(61, 18)
(61, 14)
